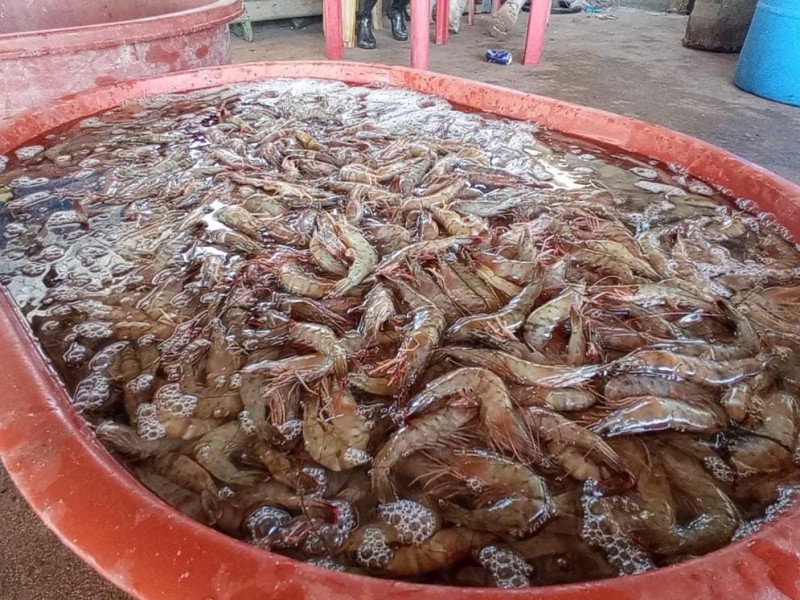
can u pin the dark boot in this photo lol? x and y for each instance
(397, 17)
(364, 37)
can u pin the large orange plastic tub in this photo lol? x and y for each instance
(49, 48)
(151, 551)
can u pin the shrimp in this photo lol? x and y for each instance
(424, 247)
(521, 272)
(694, 370)
(569, 400)
(488, 295)
(542, 322)
(441, 428)
(365, 258)
(652, 414)
(126, 441)
(304, 369)
(421, 339)
(233, 241)
(295, 281)
(427, 229)
(576, 348)
(178, 497)
(621, 255)
(736, 400)
(455, 225)
(506, 497)
(378, 386)
(447, 547)
(281, 467)
(335, 433)
(521, 371)
(715, 517)
(187, 473)
(223, 360)
(308, 309)
(619, 387)
(485, 390)
(324, 259)
(323, 340)
(215, 450)
(263, 205)
(378, 310)
(438, 198)
(582, 454)
(502, 323)
(240, 220)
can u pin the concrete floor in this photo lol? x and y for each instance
(631, 64)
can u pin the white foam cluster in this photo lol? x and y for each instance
(508, 569)
(787, 497)
(76, 354)
(94, 330)
(356, 456)
(414, 523)
(601, 530)
(104, 358)
(719, 469)
(169, 399)
(93, 393)
(374, 551)
(326, 562)
(247, 422)
(264, 522)
(320, 478)
(148, 427)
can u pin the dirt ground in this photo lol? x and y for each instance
(625, 61)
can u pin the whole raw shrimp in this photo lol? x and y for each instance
(335, 433)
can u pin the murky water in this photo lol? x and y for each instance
(361, 328)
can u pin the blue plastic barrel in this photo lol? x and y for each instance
(769, 64)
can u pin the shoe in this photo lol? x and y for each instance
(364, 37)
(399, 29)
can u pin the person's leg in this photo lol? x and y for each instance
(457, 8)
(397, 17)
(506, 18)
(364, 37)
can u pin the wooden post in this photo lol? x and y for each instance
(537, 29)
(377, 16)
(420, 37)
(332, 26)
(442, 16)
(719, 25)
(349, 23)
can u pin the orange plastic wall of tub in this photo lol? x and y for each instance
(49, 48)
(153, 552)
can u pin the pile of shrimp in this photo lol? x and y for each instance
(366, 330)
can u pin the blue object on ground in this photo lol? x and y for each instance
(769, 65)
(501, 57)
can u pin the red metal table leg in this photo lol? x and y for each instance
(471, 11)
(442, 17)
(495, 6)
(537, 29)
(420, 38)
(332, 26)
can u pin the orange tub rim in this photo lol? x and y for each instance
(65, 40)
(151, 551)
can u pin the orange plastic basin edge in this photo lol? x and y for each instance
(152, 552)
